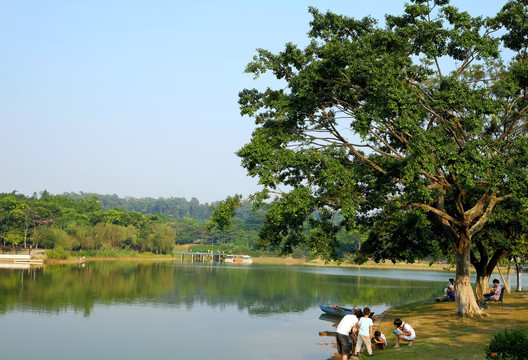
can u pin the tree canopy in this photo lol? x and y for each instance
(410, 128)
(80, 223)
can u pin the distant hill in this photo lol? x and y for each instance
(177, 207)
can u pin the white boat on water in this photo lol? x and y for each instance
(238, 259)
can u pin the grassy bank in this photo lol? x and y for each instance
(442, 334)
(418, 265)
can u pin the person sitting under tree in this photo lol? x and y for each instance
(493, 294)
(450, 296)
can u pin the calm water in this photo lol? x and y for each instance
(187, 311)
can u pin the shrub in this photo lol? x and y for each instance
(107, 251)
(57, 254)
(508, 345)
(301, 252)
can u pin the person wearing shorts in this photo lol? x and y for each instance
(404, 332)
(346, 325)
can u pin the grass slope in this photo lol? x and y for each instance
(442, 334)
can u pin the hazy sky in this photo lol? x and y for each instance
(139, 98)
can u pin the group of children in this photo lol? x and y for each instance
(358, 328)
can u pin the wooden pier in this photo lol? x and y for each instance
(19, 259)
(201, 256)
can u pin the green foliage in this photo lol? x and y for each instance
(162, 238)
(188, 230)
(349, 242)
(12, 215)
(106, 251)
(402, 236)
(223, 212)
(177, 208)
(79, 223)
(301, 252)
(50, 238)
(509, 344)
(111, 235)
(58, 254)
(82, 235)
(414, 133)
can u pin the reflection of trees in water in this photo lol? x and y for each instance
(260, 290)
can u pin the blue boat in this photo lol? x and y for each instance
(336, 310)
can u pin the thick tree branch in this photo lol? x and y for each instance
(478, 210)
(338, 135)
(386, 143)
(440, 213)
(520, 114)
(459, 204)
(512, 130)
(451, 233)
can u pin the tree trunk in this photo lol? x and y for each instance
(506, 285)
(467, 304)
(508, 272)
(482, 284)
(519, 271)
(519, 285)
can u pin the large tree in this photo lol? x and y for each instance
(415, 122)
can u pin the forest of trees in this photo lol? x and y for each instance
(92, 222)
(179, 208)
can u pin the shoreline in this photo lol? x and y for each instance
(269, 260)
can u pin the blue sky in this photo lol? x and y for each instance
(139, 98)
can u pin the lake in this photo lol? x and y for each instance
(129, 310)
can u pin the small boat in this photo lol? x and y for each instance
(340, 311)
(336, 310)
(238, 259)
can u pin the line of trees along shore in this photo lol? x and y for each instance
(178, 208)
(88, 221)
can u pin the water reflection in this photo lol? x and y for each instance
(179, 310)
(260, 290)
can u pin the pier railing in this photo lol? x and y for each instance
(201, 256)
